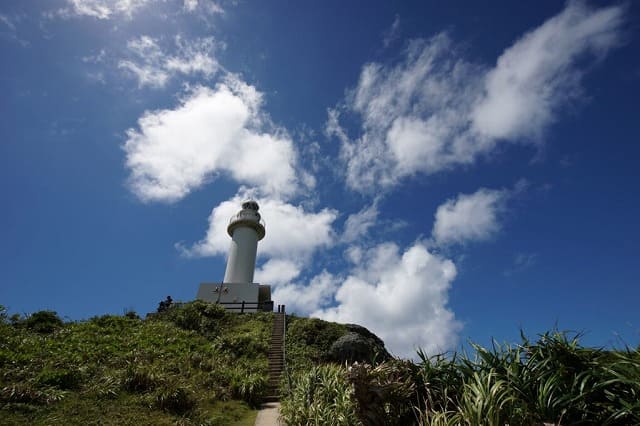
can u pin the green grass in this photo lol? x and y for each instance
(199, 365)
(195, 364)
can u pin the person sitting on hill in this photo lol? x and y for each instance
(165, 304)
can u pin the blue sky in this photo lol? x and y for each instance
(435, 171)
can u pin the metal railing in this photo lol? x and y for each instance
(254, 217)
(241, 306)
(281, 310)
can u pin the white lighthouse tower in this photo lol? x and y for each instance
(238, 292)
(245, 230)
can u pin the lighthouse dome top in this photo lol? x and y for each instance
(247, 217)
(250, 205)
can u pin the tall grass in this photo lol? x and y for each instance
(320, 396)
(553, 380)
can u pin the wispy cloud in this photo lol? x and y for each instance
(9, 29)
(153, 67)
(521, 262)
(542, 70)
(4, 19)
(392, 33)
(102, 9)
(358, 224)
(207, 6)
(435, 110)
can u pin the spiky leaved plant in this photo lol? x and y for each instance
(320, 396)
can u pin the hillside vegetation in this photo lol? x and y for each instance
(552, 381)
(194, 364)
(197, 364)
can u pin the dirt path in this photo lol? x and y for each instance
(268, 414)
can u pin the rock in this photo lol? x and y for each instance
(359, 344)
(355, 328)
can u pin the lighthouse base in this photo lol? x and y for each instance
(238, 298)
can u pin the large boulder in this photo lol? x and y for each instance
(359, 344)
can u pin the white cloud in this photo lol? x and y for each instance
(542, 70)
(469, 217)
(153, 67)
(10, 30)
(435, 110)
(357, 225)
(277, 271)
(521, 262)
(402, 297)
(293, 234)
(392, 33)
(208, 6)
(307, 298)
(95, 59)
(8, 22)
(212, 131)
(190, 5)
(103, 9)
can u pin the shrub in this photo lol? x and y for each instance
(174, 399)
(28, 394)
(203, 317)
(244, 344)
(250, 388)
(42, 322)
(140, 379)
(384, 394)
(59, 378)
(131, 314)
(114, 322)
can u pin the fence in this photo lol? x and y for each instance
(245, 306)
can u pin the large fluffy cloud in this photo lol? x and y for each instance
(402, 297)
(469, 217)
(434, 110)
(175, 151)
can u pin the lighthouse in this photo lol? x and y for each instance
(237, 292)
(245, 229)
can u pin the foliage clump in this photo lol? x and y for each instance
(553, 380)
(309, 341)
(41, 322)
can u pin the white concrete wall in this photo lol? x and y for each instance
(242, 256)
(230, 294)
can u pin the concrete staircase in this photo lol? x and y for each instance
(276, 357)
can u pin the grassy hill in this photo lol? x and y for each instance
(197, 364)
(193, 364)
